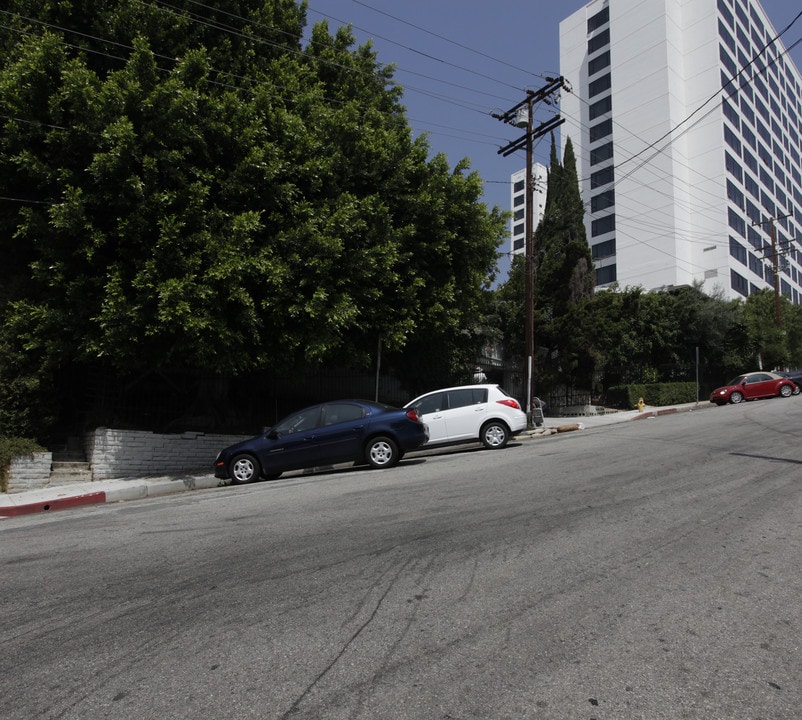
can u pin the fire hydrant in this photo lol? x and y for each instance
(641, 404)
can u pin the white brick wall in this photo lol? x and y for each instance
(131, 453)
(30, 472)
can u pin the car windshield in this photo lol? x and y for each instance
(737, 381)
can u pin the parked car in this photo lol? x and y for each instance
(794, 376)
(753, 385)
(325, 434)
(470, 413)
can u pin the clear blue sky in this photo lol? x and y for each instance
(460, 60)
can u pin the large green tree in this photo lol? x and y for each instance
(191, 187)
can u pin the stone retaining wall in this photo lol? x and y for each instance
(30, 472)
(135, 453)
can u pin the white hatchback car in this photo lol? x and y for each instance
(469, 413)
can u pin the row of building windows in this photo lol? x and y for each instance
(741, 285)
(763, 131)
(603, 154)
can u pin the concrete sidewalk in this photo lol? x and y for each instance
(61, 497)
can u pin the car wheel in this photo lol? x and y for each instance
(244, 469)
(736, 397)
(382, 452)
(494, 435)
(786, 391)
(796, 390)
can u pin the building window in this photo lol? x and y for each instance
(751, 186)
(738, 251)
(519, 186)
(601, 153)
(739, 283)
(519, 229)
(747, 112)
(766, 179)
(725, 35)
(602, 201)
(753, 213)
(727, 61)
(749, 136)
(750, 160)
(753, 236)
(736, 222)
(734, 195)
(601, 130)
(602, 225)
(597, 42)
(733, 166)
(519, 244)
(599, 86)
(599, 19)
(603, 249)
(605, 275)
(519, 200)
(519, 215)
(732, 139)
(726, 13)
(767, 202)
(599, 63)
(755, 265)
(600, 107)
(731, 114)
(602, 177)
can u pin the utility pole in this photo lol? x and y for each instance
(521, 115)
(775, 267)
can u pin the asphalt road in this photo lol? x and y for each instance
(644, 570)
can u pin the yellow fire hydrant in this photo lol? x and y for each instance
(641, 404)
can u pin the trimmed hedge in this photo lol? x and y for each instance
(655, 394)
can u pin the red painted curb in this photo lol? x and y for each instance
(60, 504)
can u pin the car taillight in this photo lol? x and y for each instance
(510, 402)
(413, 415)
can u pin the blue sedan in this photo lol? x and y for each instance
(332, 432)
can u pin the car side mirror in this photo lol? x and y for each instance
(270, 434)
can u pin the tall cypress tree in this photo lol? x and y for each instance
(564, 274)
(564, 262)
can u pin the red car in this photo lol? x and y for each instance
(751, 386)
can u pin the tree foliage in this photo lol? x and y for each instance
(191, 187)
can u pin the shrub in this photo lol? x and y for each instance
(11, 448)
(657, 394)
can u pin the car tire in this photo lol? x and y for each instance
(796, 390)
(382, 452)
(244, 468)
(786, 391)
(736, 398)
(494, 435)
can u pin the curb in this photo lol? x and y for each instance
(114, 491)
(58, 504)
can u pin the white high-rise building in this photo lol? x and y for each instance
(685, 120)
(518, 204)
